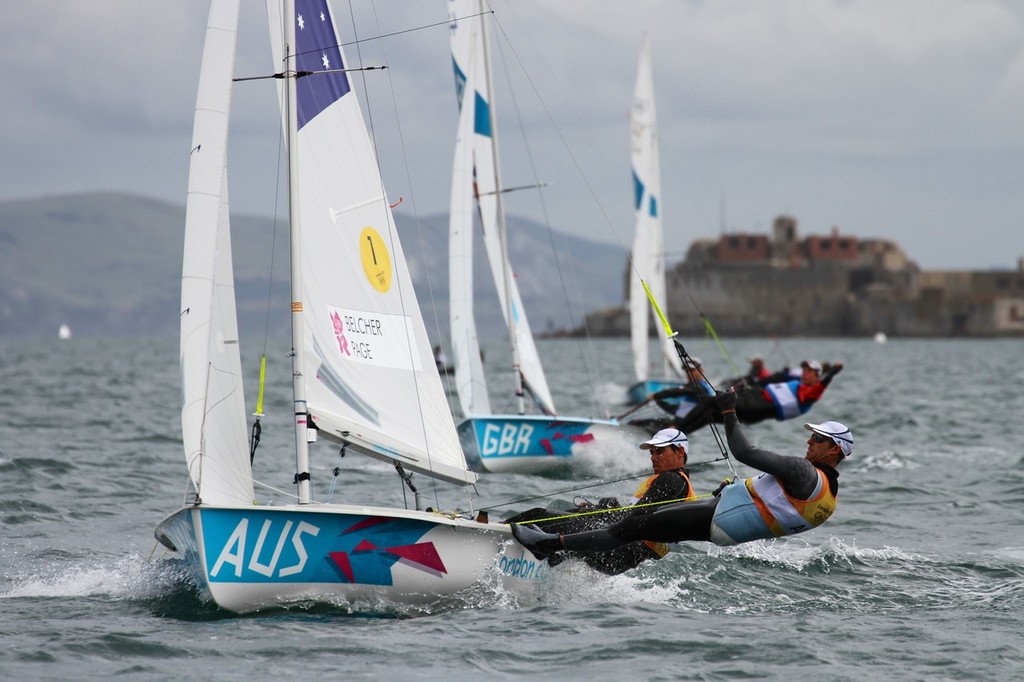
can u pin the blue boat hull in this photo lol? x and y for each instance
(254, 558)
(638, 392)
(534, 444)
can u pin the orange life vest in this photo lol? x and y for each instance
(785, 514)
(660, 548)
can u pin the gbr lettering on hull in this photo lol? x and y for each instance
(506, 439)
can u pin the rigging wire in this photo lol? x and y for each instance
(412, 197)
(588, 371)
(257, 427)
(689, 467)
(594, 196)
(710, 331)
(684, 357)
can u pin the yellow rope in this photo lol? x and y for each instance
(263, 381)
(615, 509)
(657, 309)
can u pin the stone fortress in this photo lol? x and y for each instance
(833, 285)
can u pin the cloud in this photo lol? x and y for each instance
(892, 119)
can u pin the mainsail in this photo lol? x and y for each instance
(476, 176)
(362, 349)
(648, 239)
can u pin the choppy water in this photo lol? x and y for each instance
(919, 575)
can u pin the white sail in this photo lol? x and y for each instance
(481, 176)
(648, 239)
(362, 366)
(366, 363)
(213, 406)
(470, 382)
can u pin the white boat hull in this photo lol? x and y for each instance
(254, 558)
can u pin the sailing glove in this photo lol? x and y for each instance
(726, 400)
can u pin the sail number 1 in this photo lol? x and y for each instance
(376, 260)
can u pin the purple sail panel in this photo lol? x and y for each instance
(318, 49)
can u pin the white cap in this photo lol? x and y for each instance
(841, 435)
(667, 437)
(813, 364)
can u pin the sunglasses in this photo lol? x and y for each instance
(818, 438)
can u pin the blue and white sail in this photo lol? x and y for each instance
(362, 350)
(476, 189)
(501, 442)
(648, 255)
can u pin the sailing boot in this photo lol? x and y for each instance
(539, 543)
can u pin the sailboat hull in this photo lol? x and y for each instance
(534, 443)
(638, 392)
(254, 558)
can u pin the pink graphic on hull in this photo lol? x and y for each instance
(369, 554)
(422, 555)
(577, 438)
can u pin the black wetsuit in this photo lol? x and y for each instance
(753, 405)
(669, 485)
(682, 521)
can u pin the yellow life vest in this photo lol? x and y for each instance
(660, 548)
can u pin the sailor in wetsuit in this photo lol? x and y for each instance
(668, 449)
(756, 375)
(792, 495)
(680, 401)
(778, 400)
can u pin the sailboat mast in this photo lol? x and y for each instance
(507, 267)
(298, 384)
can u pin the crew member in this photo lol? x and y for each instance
(668, 450)
(781, 400)
(793, 495)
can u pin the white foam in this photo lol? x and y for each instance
(130, 577)
(799, 553)
(610, 393)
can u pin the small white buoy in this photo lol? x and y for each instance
(880, 337)
(64, 332)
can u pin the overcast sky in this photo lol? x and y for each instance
(901, 119)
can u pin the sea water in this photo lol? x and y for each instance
(918, 576)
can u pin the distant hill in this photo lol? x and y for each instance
(109, 265)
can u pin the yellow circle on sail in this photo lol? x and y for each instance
(376, 259)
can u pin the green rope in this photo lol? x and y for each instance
(714, 335)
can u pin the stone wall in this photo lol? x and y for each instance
(833, 285)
